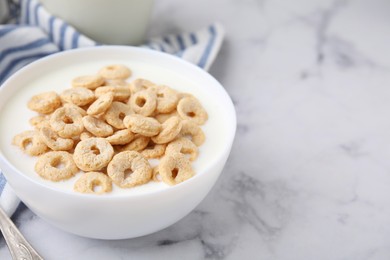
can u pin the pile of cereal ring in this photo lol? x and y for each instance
(109, 128)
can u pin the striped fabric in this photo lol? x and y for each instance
(36, 34)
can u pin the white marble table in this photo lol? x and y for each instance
(309, 174)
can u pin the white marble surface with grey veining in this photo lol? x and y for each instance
(309, 172)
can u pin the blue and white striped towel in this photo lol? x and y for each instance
(38, 34)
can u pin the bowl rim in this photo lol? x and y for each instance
(226, 147)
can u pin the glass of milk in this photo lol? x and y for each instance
(3, 10)
(121, 22)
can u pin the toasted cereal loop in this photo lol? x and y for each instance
(182, 95)
(78, 96)
(101, 104)
(89, 81)
(53, 141)
(175, 168)
(184, 146)
(193, 131)
(166, 99)
(73, 106)
(67, 122)
(85, 135)
(138, 144)
(93, 182)
(97, 127)
(143, 102)
(121, 137)
(116, 83)
(116, 71)
(156, 174)
(128, 169)
(164, 117)
(93, 154)
(146, 126)
(44, 103)
(140, 84)
(30, 142)
(170, 129)
(56, 166)
(190, 108)
(39, 121)
(153, 150)
(121, 93)
(116, 113)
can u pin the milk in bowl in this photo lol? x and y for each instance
(59, 80)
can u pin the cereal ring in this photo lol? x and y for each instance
(116, 71)
(138, 144)
(73, 106)
(184, 146)
(166, 99)
(56, 166)
(153, 150)
(193, 131)
(164, 117)
(128, 169)
(67, 122)
(93, 154)
(78, 96)
(175, 168)
(85, 135)
(30, 142)
(101, 104)
(182, 95)
(116, 83)
(44, 103)
(140, 84)
(156, 174)
(169, 130)
(90, 81)
(116, 113)
(146, 126)
(93, 182)
(121, 137)
(39, 121)
(190, 108)
(121, 93)
(53, 141)
(143, 102)
(97, 127)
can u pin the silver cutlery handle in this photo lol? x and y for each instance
(18, 246)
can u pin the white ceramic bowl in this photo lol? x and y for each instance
(127, 216)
